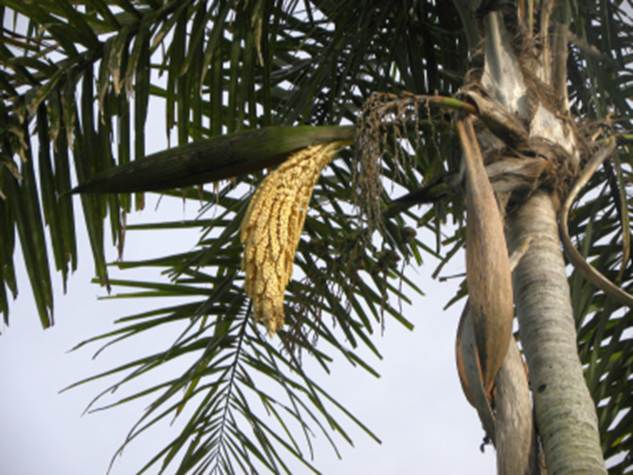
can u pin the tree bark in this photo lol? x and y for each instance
(515, 437)
(565, 413)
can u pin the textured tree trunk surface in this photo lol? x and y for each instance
(565, 413)
(515, 437)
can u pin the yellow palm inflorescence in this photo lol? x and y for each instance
(272, 227)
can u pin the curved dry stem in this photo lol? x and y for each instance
(591, 273)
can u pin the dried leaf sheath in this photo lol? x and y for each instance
(487, 262)
(272, 226)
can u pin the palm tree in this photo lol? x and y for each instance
(501, 115)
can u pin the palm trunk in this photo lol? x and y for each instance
(515, 437)
(565, 413)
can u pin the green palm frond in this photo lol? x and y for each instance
(119, 57)
(234, 364)
(605, 324)
(601, 224)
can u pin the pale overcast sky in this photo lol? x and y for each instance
(416, 407)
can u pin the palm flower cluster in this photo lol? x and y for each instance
(272, 227)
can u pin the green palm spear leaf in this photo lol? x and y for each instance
(211, 160)
(244, 84)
